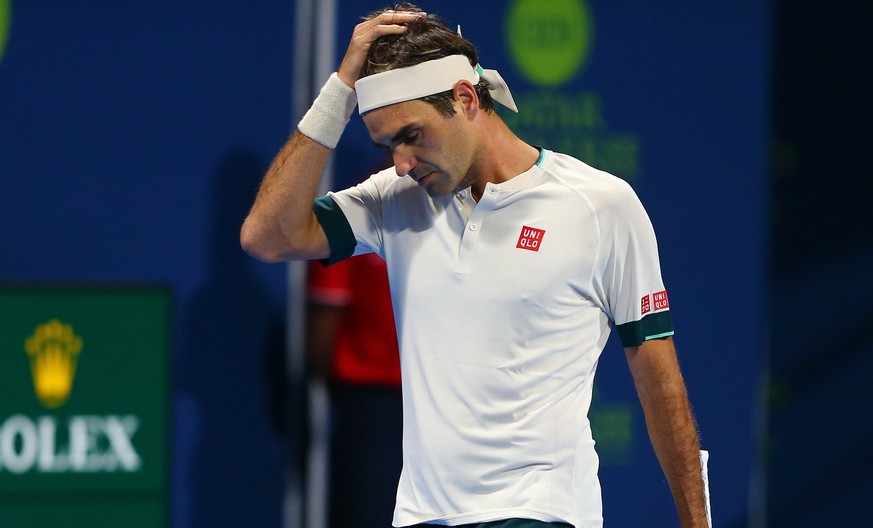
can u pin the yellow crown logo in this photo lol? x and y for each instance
(53, 349)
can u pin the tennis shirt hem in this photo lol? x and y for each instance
(489, 516)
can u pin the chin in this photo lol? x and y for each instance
(435, 192)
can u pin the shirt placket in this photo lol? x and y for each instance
(475, 215)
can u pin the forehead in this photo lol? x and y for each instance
(384, 123)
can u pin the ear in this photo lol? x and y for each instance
(465, 94)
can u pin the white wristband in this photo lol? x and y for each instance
(326, 119)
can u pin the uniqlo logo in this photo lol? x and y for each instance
(661, 302)
(646, 305)
(530, 238)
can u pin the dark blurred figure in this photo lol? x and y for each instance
(352, 344)
(230, 393)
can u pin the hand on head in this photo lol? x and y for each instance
(386, 23)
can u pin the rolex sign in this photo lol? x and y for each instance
(83, 406)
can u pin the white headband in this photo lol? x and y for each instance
(427, 78)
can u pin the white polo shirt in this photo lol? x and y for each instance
(502, 309)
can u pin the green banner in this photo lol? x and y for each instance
(84, 408)
(5, 18)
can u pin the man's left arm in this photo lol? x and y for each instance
(671, 426)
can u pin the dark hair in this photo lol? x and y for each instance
(426, 39)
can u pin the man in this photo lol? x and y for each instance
(508, 264)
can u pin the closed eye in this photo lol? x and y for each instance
(410, 138)
(407, 135)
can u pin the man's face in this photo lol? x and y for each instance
(435, 151)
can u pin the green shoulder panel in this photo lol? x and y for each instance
(336, 227)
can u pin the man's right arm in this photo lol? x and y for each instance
(281, 225)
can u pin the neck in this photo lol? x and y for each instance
(501, 155)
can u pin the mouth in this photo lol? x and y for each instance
(421, 180)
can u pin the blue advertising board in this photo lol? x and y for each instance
(133, 136)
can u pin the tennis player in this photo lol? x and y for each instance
(509, 265)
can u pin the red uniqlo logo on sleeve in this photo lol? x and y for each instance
(530, 238)
(646, 305)
(661, 302)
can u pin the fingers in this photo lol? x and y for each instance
(397, 17)
(386, 23)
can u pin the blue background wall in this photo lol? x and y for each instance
(133, 136)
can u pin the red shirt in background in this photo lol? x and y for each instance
(365, 346)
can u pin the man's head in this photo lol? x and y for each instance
(426, 39)
(423, 96)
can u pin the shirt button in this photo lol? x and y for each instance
(474, 227)
(493, 190)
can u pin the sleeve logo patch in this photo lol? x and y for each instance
(660, 302)
(530, 238)
(646, 305)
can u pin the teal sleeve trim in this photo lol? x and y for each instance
(659, 336)
(335, 225)
(652, 326)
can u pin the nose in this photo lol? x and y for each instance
(403, 162)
